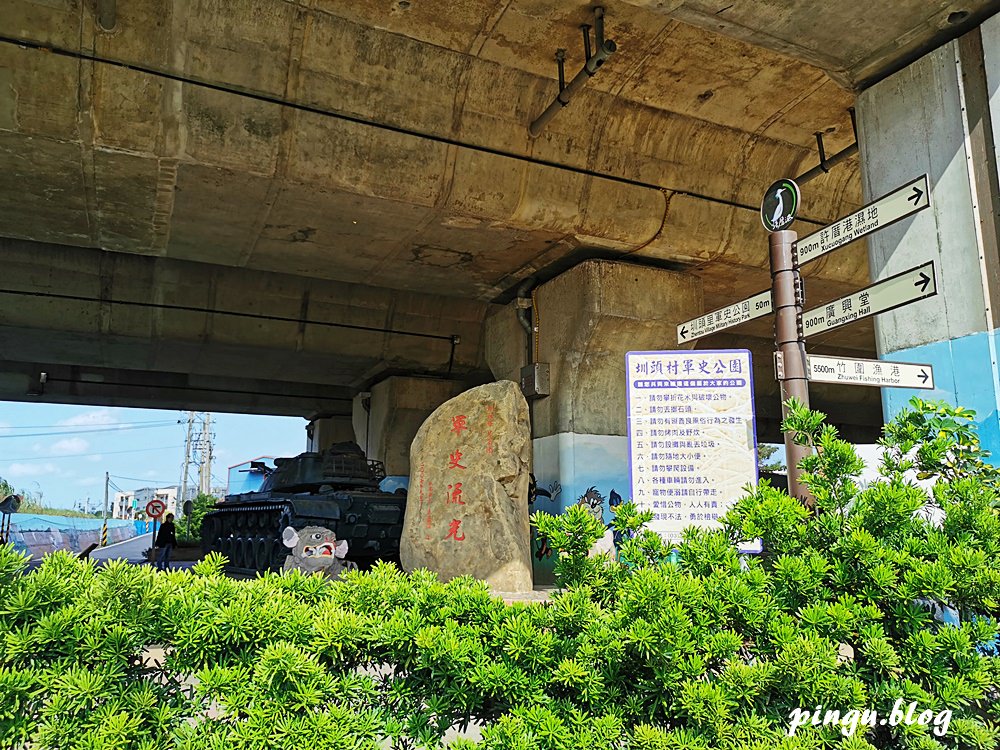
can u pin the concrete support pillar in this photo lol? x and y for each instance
(586, 320)
(387, 419)
(941, 115)
(322, 432)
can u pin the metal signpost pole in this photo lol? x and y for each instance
(104, 515)
(787, 301)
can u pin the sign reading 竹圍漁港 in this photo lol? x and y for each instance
(692, 439)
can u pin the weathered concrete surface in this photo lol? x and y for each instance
(842, 38)
(587, 319)
(415, 174)
(399, 406)
(467, 509)
(322, 432)
(939, 117)
(225, 338)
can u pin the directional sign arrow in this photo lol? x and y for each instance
(922, 282)
(902, 289)
(909, 199)
(875, 372)
(725, 317)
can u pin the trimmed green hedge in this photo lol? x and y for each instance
(714, 651)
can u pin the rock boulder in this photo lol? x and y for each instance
(467, 506)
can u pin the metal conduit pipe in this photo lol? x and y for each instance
(825, 165)
(107, 14)
(605, 48)
(523, 302)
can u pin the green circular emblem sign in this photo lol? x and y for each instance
(780, 204)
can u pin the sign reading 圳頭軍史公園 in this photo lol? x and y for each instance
(692, 438)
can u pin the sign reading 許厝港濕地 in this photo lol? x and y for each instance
(692, 440)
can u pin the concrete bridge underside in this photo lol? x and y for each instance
(270, 206)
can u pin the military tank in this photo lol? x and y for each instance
(337, 488)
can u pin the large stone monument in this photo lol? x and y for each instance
(467, 508)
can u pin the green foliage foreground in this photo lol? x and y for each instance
(711, 652)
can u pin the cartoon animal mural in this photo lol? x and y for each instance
(315, 549)
(593, 501)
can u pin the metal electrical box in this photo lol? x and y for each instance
(535, 380)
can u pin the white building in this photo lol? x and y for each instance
(132, 504)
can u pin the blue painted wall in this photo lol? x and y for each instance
(964, 375)
(241, 479)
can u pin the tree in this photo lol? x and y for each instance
(764, 452)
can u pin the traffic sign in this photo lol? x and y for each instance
(876, 372)
(155, 508)
(779, 205)
(725, 317)
(902, 289)
(914, 196)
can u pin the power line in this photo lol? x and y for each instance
(91, 431)
(82, 426)
(136, 479)
(87, 455)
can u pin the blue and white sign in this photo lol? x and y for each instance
(692, 436)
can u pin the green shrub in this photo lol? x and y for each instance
(639, 652)
(189, 529)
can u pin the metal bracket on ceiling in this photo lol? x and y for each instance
(828, 163)
(593, 60)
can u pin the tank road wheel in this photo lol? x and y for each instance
(261, 556)
(226, 548)
(279, 552)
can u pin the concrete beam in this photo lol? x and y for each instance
(92, 386)
(76, 306)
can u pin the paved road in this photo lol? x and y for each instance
(131, 549)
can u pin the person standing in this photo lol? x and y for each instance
(166, 540)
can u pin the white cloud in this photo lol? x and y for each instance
(96, 458)
(31, 470)
(90, 482)
(70, 447)
(94, 417)
(4, 428)
(151, 473)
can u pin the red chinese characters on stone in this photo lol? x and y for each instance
(453, 531)
(458, 424)
(490, 409)
(455, 494)
(454, 459)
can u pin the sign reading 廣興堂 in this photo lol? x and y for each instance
(692, 439)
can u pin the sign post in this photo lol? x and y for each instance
(786, 290)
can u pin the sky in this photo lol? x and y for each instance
(63, 451)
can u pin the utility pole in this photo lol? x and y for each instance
(205, 457)
(104, 515)
(182, 491)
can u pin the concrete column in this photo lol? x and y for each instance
(322, 432)
(587, 319)
(387, 419)
(941, 115)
